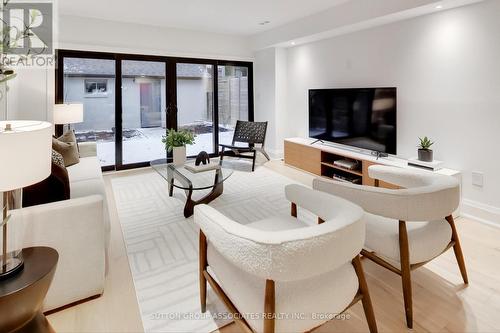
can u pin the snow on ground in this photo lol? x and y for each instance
(147, 146)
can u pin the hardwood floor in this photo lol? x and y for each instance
(441, 302)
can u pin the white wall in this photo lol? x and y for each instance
(265, 92)
(271, 95)
(281, 94)
(30, 93)
(447, 70)
(109, 36)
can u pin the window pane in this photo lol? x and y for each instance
(195, 98)
(233, 100)
(80, 86)
(90, 87)
(144, 115)
(102, 87)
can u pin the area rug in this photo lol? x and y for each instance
(162, 245)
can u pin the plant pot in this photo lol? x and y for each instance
(425, 155)
(179, 155)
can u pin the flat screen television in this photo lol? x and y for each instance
(362, 117)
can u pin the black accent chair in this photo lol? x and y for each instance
(247, 132)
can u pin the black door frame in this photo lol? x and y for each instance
(170, 86)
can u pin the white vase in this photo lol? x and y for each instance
(179, 155)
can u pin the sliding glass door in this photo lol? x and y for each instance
(233, 98)
(131, 100)
(195, 105)
(91, 82)
(143, 110)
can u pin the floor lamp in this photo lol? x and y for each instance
(67, 114)
(26, 160)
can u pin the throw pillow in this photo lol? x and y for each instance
(69, 137)
(68, 150)
(58, 159)
(54, 188)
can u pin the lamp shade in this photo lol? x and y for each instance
(68, 114)
(25, 150)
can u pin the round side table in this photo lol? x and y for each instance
(22, 295)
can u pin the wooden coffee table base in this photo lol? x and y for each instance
(216, 192)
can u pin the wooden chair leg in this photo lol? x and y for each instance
(404, 250)
(457, 248)
(203, 268)
(269, 307)
(366, 300)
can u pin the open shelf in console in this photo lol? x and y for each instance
(333, 163)
(341, 168)
(340, 175)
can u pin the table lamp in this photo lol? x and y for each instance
(26, 160)
(67, 114)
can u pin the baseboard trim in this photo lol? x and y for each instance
(275, 154)
(481, 212)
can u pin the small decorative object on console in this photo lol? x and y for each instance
(347, 164)
(345, 179)
(425, 153)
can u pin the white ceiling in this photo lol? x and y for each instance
(235, 17)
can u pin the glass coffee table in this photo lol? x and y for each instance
(181, 178)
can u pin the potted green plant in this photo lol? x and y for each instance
(176, 141)
(425, 153)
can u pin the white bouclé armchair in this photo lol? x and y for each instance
(407, 227)
(283, 266)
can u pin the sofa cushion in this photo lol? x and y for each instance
(426, 239)
(88, 168)
(86, 179)
(54, 188)
(68, 150)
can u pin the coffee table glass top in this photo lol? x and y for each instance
(186, 180)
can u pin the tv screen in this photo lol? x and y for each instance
(363, 117)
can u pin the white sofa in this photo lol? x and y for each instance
(79, 229)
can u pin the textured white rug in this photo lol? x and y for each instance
(162, 245)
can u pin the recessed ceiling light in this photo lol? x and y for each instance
(264, 22)
(439, 7)
(293, 43)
